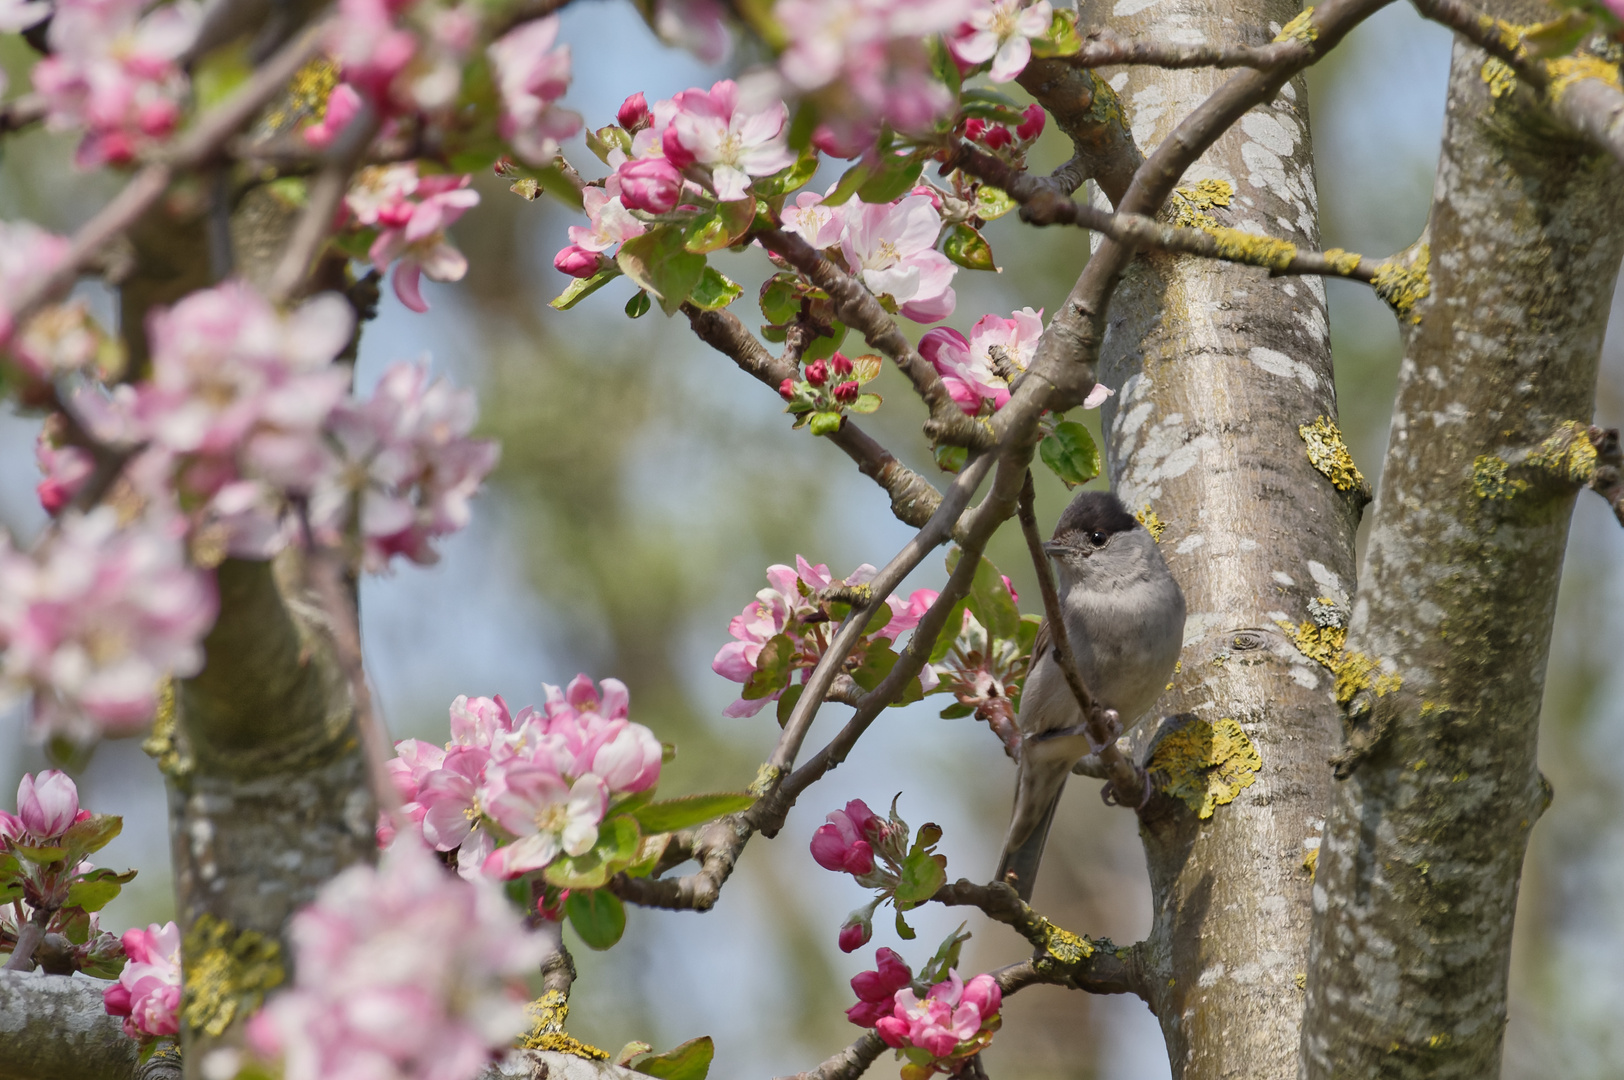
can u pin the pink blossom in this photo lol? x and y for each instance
(699, 26)
(412, 214)
(578, 262)
(611, 223)
(843, 845)
(1000, 31)
(64, 470)
(414, 760)
(971, 370)
(481, 722)
(892, 249)
(370, 46)
(147, 993)
(530, 76)
(855, 932)
(905, 614)
(651, 184)
(633, 114)
(1096, 397)
(112, 71)
(1032, 126)
(47, 804)
(950, 1015)
(448, 797)
(18, 15)
(94, 621)
(550, 816)
(27, 252)
(410, 461)
(769, 615)
(343, 105)
(737, 142)
(630, 760)
(876, 990)
(403, 971)
(61, 339)
(817, 224)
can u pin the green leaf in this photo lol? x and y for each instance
(618, 840)
(772, 668)
(921, 876)
(951, 458)
(649, 850)
(893, 181)
(994, 114)
(780, 298)
(943, 66)
(992, 203)
(865, 403)
(928, 836)
(821, 348)
(1071, 454)
(986, 95)
(690, 810)
(220, 73)
(825, 423)
(787, 180)
(577, 872)
(1061, 38)
(91, 834)
(93, 891)
(11, 890)
(690, 1061)
(950, 632)
(968, 248)
(635, 1048)
(956, 711)
(74, 924)
(947, 956)
(715, 290)
(866, 368)
(580, 288)
(787, 700)
(904, 931)
(877, 663)
(608, 139)
(638, 305)
(597, 915)
(850, 180)
(720, 228)
(657, 262)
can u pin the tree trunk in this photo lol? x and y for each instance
(1447, 651)
(1217, 368)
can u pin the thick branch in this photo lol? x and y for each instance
(1086, 108)
(850, 1063)
(1104, 48)
(54, 1027)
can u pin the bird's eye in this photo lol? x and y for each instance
(1097, 539)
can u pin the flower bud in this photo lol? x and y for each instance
(847, 392)
(47, 804)
(786, 389)
(856, 931)
(649, 184)
(930, 193)
(998, 137)
(975, 128)
(817, 373)
(577, 262)
(839, 364)
(634, 114)
(1032, 126)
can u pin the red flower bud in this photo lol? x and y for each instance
(839, 364)
(975, 128)
(1031, 127)
(817, 373)
(847, 392)
(633, 114)
(786, 389)
(855, 935)
(998, 137)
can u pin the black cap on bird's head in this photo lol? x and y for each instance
(1089, 522)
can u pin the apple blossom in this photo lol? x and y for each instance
(63, 469)
(954, 1020)
(876, 990)
(817, 224)
(841, 844)
(343, 105)
(113, 72)
(549, 815)
(700, 26)
(737, 142)
(856, 931)
(611, 223)
(979, 370)
(96, 619)
(414, 234)
(633, 114)
(370, 46)
(1032, 126)
(403, 972)
(1001, 31)
(531, 75)
(47, 804)
(578, 262)
(18, 15)
(891, 248)
(147, 993)
(650, 184)
(26, 253)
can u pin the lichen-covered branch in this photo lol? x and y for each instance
(1443, 669)
(54, 1027)
(1089, 112)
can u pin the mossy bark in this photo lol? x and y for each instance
(1216, 368)
(1425, 839)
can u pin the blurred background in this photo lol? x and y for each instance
(645, 485)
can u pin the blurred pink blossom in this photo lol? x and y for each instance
(891, 248)
(448, 998)
(412, 214)
(63, 469)
(370, 46)
(700, 26)
(147, 994)
(343, 105)
(1001, 31)
(531, 75)
(27, 252)
(736, 140)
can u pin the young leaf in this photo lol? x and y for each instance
(1061, 38)
(578, 872)
(657, 262)
(850, 180)
(866, 368)
(720, 228)
(597, 916)
(649, 850)
(780, 299)
(956, 710)
(581, 288)
(893, 181)
(632, 1049)
(772, 668)
(638, 305)
(690, 810)
(1071, 454)
(93, 891)
(992, 203)
(618, 840)
(865, 403)
(950, 632)
(715, 290)
(877, 663)
(825, 423)
(968, 248)
(992, 604)
(947, 956)
(91, 834)
(921, 876)
(787, 700)
(788, 179)
(690, 1061)
(821, 348)
(904, 931)
(951, 458)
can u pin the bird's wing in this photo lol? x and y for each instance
(1040, 645)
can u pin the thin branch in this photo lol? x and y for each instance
(850, 1063)
(29, 936)
(325, 195)
(1087, 110)
(22, 112)
(1128, 782)
(1104, 48)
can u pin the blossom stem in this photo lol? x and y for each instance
(28, 939)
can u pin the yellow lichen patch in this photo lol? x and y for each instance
(1568, 454)
(1343, 262)
(1206, 765)
(227, 973)
(307, 94)
(1356, 671)
(1322, 644)
(1191, 206)
(1491, 478)
(1252, 249)
(1066, 947)
(766, 779)
(1153, 524)
(1501, 79)
(1301, 28)
(1301, 979)
(160, 745)
(1571, 69)
(1107, 108)
(1311, 863)
(547, 1014)
(1329, 454)
(1404, 286)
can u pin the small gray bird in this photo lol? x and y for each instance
(1124, 617)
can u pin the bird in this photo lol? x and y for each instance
(1124, 617)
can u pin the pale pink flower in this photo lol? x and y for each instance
(27, 252)
(410, 461)
(905, 614)
(404, 972)
(611, 223)
(64, 469)
(147, 993)
(97, 619)
(550, 816)
(950, 1014)
(1096, 397)
(843, 844)
(18, 15)
(650, 184)
(531, 75)
(700, 26)
(481, 722)
(737, 142)
(47, 804)
(415, 236)
(817, 224)
(981, 368)
(578, 262)
(370, 46)
(1001, 31)
(891, 248)
(414, 760)
(58, 340)
(343, 105)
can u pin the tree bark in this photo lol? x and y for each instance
(1447, 650)
(1217, 367)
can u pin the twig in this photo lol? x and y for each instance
(1608, 478)
(322, 203)
(1128, 782)
(850, 1063)
(558, 969)
(22, 112)
(28, 938)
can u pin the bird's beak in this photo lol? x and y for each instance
(1055, 548)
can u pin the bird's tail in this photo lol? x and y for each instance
(1028, 832)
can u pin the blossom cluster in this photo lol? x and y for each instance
(406, 215)
(787, 628)
(58, 340)
(889, 247)
(937, 1032)
(402, 971)
(512, 793)
(147, 994)
(878, 855)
